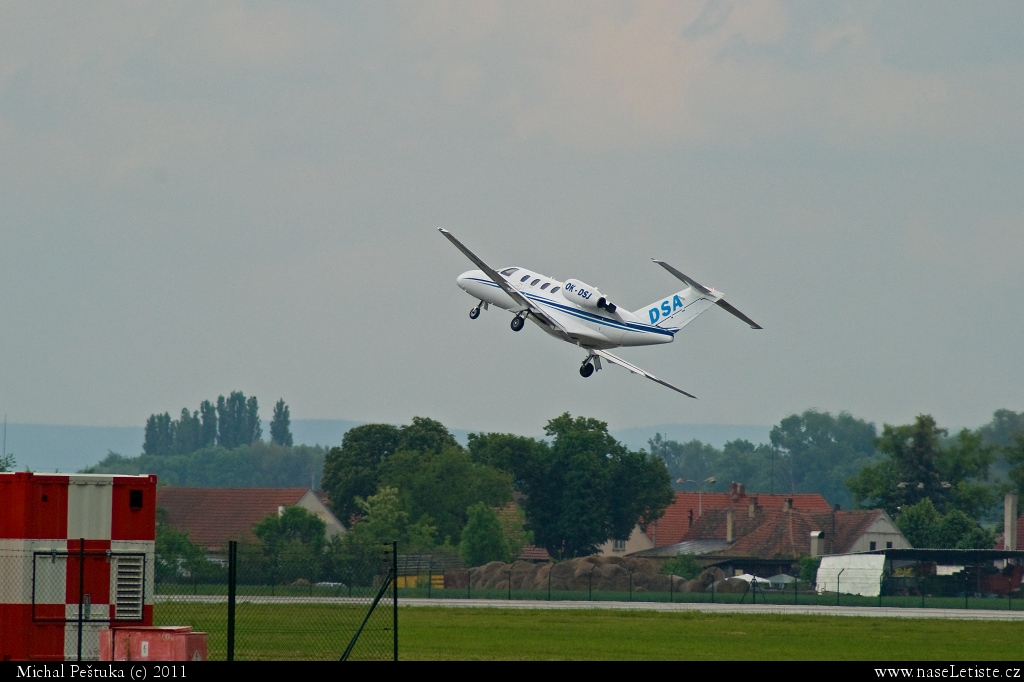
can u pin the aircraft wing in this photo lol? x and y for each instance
(635, 370)
(507, 287)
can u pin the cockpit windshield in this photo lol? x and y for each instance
(508, 271)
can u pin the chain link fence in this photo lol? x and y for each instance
(586, 580)
(284, 603)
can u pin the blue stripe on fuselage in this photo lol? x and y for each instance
(587, 316)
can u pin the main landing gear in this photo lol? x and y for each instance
(518, 322)
(590, 365)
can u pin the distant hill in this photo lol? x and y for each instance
(53, 447)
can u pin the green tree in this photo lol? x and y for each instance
(7, 462)
(382, 517)
(818, 452)
(188, 433)
(589, 488)
(159, 435)
(442, 485)
(293, 543)
(208, 416)
(518, 455)
(238, 420)
(178, 559)
(280, 425)
(482, 539)
(693, 460)
(957, 530)
(425, 435)
(925, 527)
(809, 569)
(754, 465)
(353, 470)
(1005, 425)
(919, 523)
(684, 565)
(922, 462)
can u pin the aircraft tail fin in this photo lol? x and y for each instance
(677, 310)
(681, 308)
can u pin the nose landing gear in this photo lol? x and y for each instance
(475, 312)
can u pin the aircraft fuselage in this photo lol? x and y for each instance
(587, 328)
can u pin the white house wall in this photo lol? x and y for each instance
(881, 531)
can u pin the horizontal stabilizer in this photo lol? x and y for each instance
(704, 290)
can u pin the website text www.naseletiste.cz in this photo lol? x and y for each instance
(948, 671)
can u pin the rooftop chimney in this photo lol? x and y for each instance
(1010, 521)
(787, 504)
(728, 524)
(817, 543)
(751, 507)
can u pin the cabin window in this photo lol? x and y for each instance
(534, 282)
(525, 277)
(555, 289)
(508, 271)
(545, 286)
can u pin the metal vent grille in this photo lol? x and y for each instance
(129, 587)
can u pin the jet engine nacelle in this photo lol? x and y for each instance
(586, 296)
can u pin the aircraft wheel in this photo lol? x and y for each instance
(518, 323)
(474, 313)
(586, 369)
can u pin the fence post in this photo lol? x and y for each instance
(232, 590)
(81, 590)
(837, 584)
(881, 580)
(394, 592)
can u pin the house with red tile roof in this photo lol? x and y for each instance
(213, 516)
(687, 507)
(765, 540)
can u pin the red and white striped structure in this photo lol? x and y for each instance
(46, 571)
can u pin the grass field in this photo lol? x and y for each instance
(283, 632)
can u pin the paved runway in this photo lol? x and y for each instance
(780, 609)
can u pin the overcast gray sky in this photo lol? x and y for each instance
(200, 197)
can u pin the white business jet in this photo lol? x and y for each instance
(581, 315)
